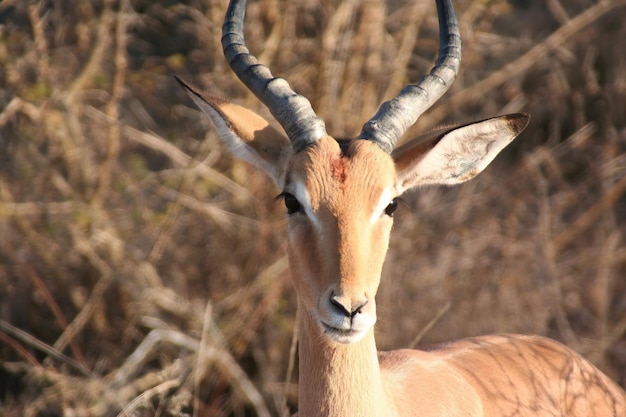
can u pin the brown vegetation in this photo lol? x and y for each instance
(142, 270)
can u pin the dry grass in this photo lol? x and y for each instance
(142, 271)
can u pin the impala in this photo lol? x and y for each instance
(340, 196)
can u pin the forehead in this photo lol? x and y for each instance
(330, 169)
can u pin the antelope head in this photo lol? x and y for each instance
(340, 195)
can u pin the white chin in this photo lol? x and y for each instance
(343, 336)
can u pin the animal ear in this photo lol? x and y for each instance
(452, 156)
(247, 135)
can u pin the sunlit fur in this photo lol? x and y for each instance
(337, 245)
(343, 253)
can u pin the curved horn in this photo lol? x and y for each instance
(293, 111)
(394, 117)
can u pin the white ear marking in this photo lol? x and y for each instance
(247, 135)
(236, 145)
(458, 154)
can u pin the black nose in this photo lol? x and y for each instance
(346, 306)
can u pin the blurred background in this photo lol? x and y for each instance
(143, 271)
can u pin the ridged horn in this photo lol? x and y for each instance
(293, 111)
(394, 117)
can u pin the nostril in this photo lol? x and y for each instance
(359, 309)
(346, 307)
(335, 300)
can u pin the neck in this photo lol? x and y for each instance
(337, 379)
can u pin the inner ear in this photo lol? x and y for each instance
(452, 156)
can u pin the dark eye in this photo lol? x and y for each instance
(391, 208)
(292, 203)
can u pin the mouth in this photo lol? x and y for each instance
(345, 336)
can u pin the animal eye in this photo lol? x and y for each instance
(292, 203)
(391, 208)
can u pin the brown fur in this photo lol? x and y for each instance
(337, 249)
(487, 376)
